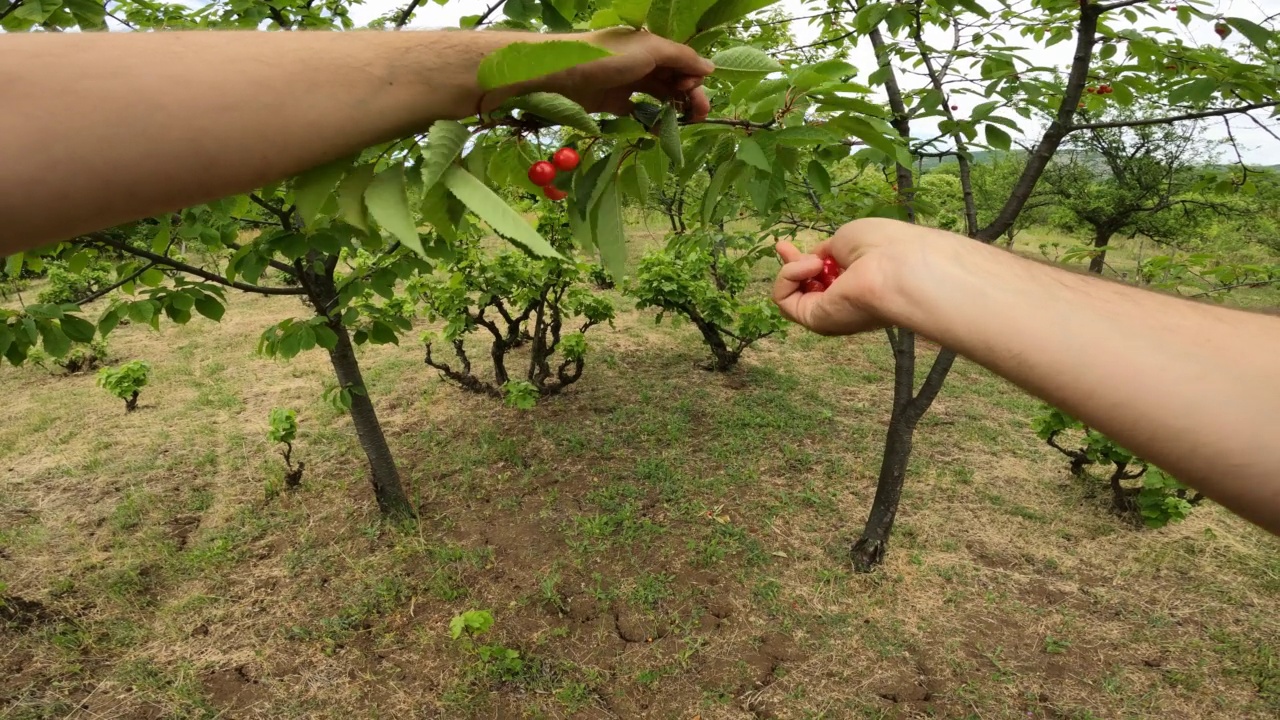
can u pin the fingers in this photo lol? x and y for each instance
(798, 267)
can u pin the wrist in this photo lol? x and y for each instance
(922, 272)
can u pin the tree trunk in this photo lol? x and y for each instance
(1101, 238)
(382, 466)
(323, 294)
(869, 549)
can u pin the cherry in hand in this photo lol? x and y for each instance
(830, 271)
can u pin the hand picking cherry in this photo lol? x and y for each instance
(830, 271)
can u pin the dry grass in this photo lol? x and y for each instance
(658, 542)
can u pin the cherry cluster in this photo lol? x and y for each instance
(1103, 89)
(830, 271)
(543, 173)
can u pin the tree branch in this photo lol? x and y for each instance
(97, 294)
(189, 269)
(16, 4)
(281, 213)
(406, 13)
(1169, 120)
(1038, 160)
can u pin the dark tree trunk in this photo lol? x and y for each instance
(908, 407)
(385, 478)
(869, 549)
(382, 466)
(131, 402)
(1101, 239)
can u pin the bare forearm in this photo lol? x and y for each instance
(1193, 388)
(118, 126)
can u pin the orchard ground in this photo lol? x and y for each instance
(656, 542)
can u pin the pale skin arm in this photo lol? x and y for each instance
(119, 126)
(1191, 387)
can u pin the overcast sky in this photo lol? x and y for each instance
(1258, 146)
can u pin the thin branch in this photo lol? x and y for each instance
(816, 43)
(406, 13)
(1106, 7)
(281, 213)
(16, 4)
(124, 247)
(484, 16)
(95, 295)
(1219, 112)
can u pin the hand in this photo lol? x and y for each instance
(873, 252)
(641, 63)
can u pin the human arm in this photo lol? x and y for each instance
(118, 126)
(1191, 387)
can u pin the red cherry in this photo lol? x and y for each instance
(1104, 89)
(1222, 29)
(955, 107)
(554, 193)
(1091, 89)
(812, 285)
(831, 267)
(542, 173)
(565, 159)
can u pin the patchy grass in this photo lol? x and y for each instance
(657, 542)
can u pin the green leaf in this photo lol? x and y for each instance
(606, 18)
(381, 333)
(632, 12)
(151, 278)
(325, 337)
(805, 135)
(724, 12)
(56, 343)
(210, 307)
(312, 188)
(77, 328)
(90, 15)
(496, 212)
(724, 176)
(749, 152)
(522, 61)
(743, 61)
(351, 197)
(160, 242)
(13, 264)
(606, 222)
(388, 203)
(1258, 35)
(676, 19)
(997, 137)
(106, 323)
(864, 131)
(818, 177)
(445, 141)
(435, 210)
(669, 135)
(37, 11)
(559, 110)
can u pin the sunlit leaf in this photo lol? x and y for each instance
(522, 61)
(495, 212)
(388, 203)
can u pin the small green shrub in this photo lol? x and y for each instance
(1157, 500)
(66, 286)
(542, 305)
(703, 278)
(495, 661)
(283, 430)
(125, 381)
(82, 357)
